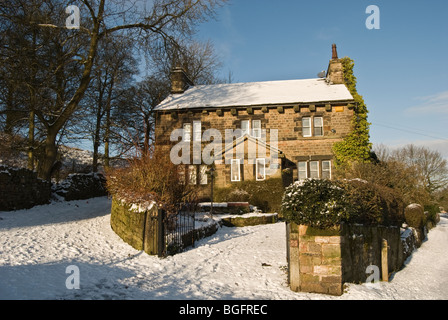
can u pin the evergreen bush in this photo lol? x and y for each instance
(265, 195)
(326, 203)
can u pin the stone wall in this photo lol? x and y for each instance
(22, 189)
(287, 119)
(250, 220)
(128, 222)
(315, 260)
(81, 186)
(321, 261)
(362, 247)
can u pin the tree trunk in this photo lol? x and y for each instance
(106, 138)
(31, 141)
(49, 156)
(96, 136)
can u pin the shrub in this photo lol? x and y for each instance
(433, 212)
(265, 195)
(151, 178)
(316, 203)
(415, 216)
(372, 204)
(324, 203)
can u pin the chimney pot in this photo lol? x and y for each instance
(335, 73)
(334, 52)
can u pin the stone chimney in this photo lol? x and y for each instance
(179, 80)
(335, 73)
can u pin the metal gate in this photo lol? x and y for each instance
(175, 231)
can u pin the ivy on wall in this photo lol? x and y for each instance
(356, 146)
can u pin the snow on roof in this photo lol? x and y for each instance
(256, 93)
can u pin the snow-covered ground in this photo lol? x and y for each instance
(38, 246)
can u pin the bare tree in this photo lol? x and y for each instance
(431, 167)
(75, 51)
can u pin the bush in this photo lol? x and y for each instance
(415, 217)
(433, 211)
(316, 203)
(324, 203)
(151, 178)
(372, 204)
(265, 195)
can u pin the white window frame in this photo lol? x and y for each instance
(318, 169)
(181, 173)
(247, 130)
(321, 126)
(306, 170)
(187, 132)
(329, 168)
(308, 127)
(197, 130)
(257, 167)
(256, 129)
(233, 163)
(192, 174)
(203, 179)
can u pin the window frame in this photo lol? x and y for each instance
(309, 127)
(238, 167)
(257, 167)
(192, 174)
(298, 170)
(203, 174)
(258, 130)
(316, 127)
(197, 135)
(186, 133)
(247, 130)
(318, 169)
(329, 169)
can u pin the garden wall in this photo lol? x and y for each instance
(22, 189)
(129, 223)
(321, 261)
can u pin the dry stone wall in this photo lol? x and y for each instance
(321, 261)
(22, 189)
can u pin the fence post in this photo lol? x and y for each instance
(384, 262)
(144, 230)
(160, 233)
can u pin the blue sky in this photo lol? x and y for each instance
(402, 68)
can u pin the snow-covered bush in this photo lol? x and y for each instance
(316, 203)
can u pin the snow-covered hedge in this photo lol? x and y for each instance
(316, 203)
(326, 203)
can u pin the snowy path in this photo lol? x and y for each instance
(37, 245)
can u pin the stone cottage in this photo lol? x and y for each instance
(256, 130)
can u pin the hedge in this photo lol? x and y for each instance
(265, 195)
(327, 203)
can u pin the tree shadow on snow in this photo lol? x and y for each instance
(57, 281)
(56, 212)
